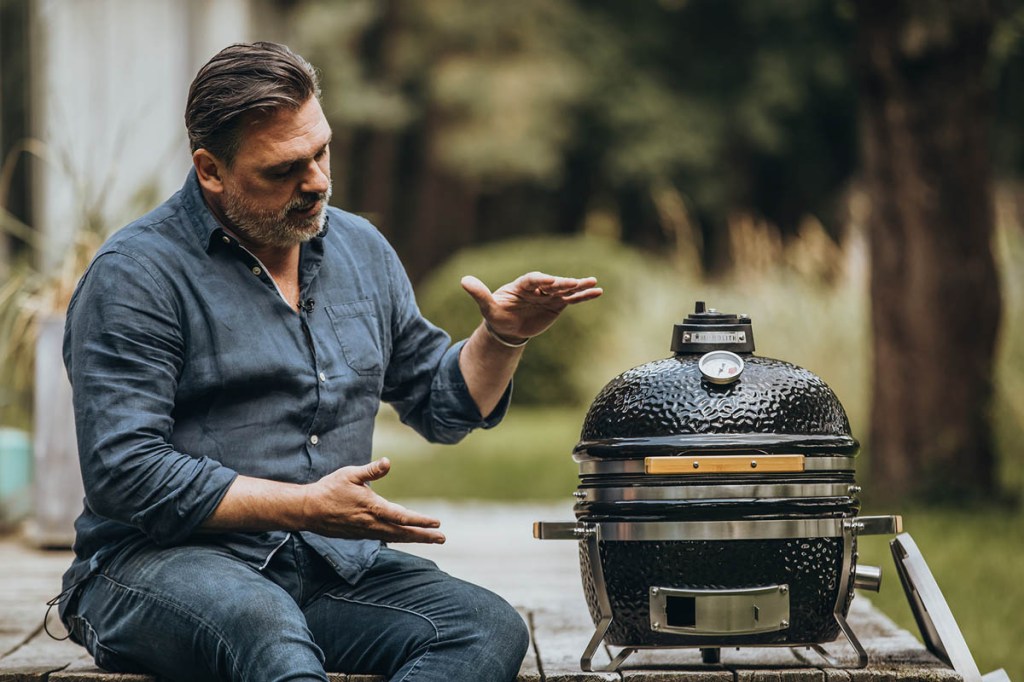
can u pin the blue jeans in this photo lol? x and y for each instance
(199, 613)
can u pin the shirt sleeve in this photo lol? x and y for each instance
(124, 350)
(423, 380)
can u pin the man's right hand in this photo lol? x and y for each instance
(339, 505)
(342, 505)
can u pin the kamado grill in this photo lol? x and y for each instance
(717, 505)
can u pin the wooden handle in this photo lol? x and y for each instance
(724, 464)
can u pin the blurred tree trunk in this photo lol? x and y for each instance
(443, 209)
(925, 114)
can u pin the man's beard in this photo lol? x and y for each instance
(276, 228)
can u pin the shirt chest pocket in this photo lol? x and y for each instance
(358, 332)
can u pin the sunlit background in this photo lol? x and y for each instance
(678, 150)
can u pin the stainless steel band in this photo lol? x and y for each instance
(721, 530)
(589, 466)
(643, 531)
(704, 442)
(715, 492)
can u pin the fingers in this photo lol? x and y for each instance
(585, 295)
(373, 471)
(362, 513)
(534, 285)
(398, 524)
(540, 284)
(423, 537)
(479, 291)
(398, 515)
(536, 281)
(384, 520)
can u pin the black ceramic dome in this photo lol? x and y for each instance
(668, 406)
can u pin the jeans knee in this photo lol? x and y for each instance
(498, 629)
(515, 632)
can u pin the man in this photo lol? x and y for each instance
(228, 353)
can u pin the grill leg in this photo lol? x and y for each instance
(850, 529)
(587, 660)
(862, 655)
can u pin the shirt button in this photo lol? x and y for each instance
(226, 239)
(314, 439)
(323, 377)
(256, 270)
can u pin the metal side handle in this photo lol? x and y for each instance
(878, 525)
(561, 530)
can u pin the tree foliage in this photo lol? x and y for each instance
(678, 124)
(583, 108)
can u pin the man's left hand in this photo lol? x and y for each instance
(528, 306)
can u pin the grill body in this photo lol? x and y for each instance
(666, 408)
(717, 504)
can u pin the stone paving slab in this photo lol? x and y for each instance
(490, 545)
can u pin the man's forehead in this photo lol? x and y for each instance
(284, 133)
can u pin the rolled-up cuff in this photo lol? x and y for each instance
(453, 406)
(175, 518)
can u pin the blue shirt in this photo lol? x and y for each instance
(189, 368)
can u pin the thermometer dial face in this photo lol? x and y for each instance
(720, 366)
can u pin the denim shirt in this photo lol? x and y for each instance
(189, 368)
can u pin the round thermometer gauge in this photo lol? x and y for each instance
(720, 366)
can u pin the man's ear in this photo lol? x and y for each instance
(209, 169)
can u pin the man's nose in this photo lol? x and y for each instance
(316, 179)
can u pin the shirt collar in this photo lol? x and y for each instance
(208, 229)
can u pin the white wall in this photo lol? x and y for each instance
(111, 78)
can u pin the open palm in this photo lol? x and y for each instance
(529, 305)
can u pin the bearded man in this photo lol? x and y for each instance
(228, 353)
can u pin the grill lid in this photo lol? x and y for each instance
(672, 405)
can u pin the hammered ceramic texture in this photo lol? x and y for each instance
(811, 567)
(670, 397)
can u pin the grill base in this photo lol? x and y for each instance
(811, 567)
